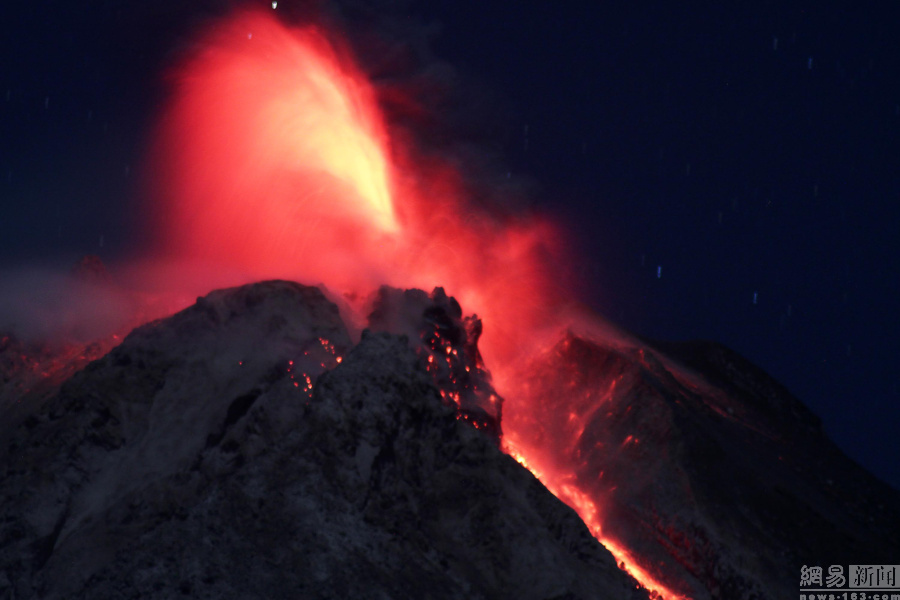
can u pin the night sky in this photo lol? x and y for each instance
(728, 173)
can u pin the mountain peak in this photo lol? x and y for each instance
(233, 450)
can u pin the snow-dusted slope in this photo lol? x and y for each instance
(197, 459)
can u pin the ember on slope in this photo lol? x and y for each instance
(448, 347)
(273, 160)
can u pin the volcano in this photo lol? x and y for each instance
(438, 418)
(246, 447)
(253, 445)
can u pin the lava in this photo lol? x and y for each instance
(273, 159)
(587, 509)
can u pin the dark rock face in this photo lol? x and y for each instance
(447, 345)
(244, 449)
(710, 471)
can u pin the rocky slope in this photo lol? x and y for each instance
(245, 448)
(720, 482)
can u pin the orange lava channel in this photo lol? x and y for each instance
(587, 510)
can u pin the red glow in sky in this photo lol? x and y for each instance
(274, 160)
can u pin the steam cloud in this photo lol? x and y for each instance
(50, 304)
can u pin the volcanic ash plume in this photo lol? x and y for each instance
(273, 160)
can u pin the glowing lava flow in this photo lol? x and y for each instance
(273, 160)
(589, 513)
